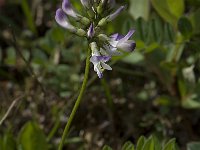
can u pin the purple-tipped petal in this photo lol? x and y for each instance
(62, 20)
(96, 59)
(91, 31)
(116, 13)
(127, 46)
(103, 58)
(128, 35)
(116, 36)
(68, 9)
(99, 73)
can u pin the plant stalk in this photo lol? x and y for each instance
(77, 103)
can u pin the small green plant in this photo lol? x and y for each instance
(151, 143)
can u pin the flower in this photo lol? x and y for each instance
(103, 47)
(122, 42)
(98, 60)
(62, 20)
(117, 41)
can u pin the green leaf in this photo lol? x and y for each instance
(193, 146)
(9, 142)
(191, 101)
(134, 58)
(176, 7)
(185, 27)
(11, 58)
(142, 29)
(128, 146)
(170, 10)
(156, 143)
(195, 20)
(29, 16)
(106, 147)
(140, 8)
(170, 145)
(32, 138)
(1, 143)
(149, 144)
(140, 143)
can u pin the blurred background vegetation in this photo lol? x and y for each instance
(154, 90)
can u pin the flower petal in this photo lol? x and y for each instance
(99, 73)
(128, 35)
(112, 51)
(103, 58)
(116, 13)
(68, 9)
(116, 36)
(105, 66)
(62, 20)
(127, 46)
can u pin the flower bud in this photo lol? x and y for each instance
(91, 31)
(110, 17)
(100, 8)
(102, 22)
(103, 37)
(84, 21)
(80, 32)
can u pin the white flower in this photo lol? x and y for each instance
(98, 60)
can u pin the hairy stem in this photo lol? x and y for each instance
(77, 103)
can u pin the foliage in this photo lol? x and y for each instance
(151, 143)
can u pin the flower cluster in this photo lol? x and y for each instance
(99, 13)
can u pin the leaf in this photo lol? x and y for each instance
(1, 143)
(195, 20)
(185, 27)
(191, 101)
(140, 8)
(128, 146)
(170, 10)
(176, 7)
(32, 137)
(156, 143)
(134, 58)
(11, 56)
(140, 143)
(193, 146)
(9, 142)
(170, 145)
(106, 147)
(149, 144)
(142, 29)
(29, 16)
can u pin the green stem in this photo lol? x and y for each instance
(77, 103)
